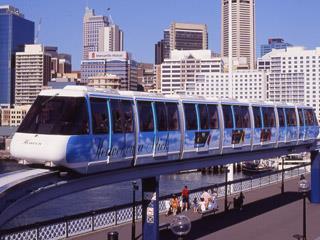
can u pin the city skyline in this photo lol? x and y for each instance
(61, 22)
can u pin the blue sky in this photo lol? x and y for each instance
(143, 21)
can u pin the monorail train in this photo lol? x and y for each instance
(90, 130)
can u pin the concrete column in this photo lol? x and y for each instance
(315, 177)
(150, 208)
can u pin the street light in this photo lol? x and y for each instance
(304, 188)
(135, 188)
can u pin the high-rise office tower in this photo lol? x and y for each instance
(91, 26)
(33, 71)
(181, 36)
(15, 31)
(243, 29)
(110, 38)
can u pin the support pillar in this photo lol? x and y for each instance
(315, 177)
(150, 208)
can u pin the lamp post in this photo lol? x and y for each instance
(135, 187)
(282, 176)
(304, 188)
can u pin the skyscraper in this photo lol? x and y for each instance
(110, 38)
(15, 31)
(181, 36)
(243, 29)
(91, 26)
(33, 71)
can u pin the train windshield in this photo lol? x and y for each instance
(56, 116)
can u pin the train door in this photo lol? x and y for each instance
(302, 127)
(122, 136)
(258, 136)
(282, 125)
(228, 127)
(202, 137)
(214, 137)
(291, 121)
(241, 135)
(146, 133)
(312, 129)
(174, 130)
(269, 131)
(191, 128)
(100, 128)
(161, 135)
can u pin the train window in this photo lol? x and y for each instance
(213, 116)
(145, 116)
(127, 110)
(190, 115)
(281, 117)
(268, 117)
(173, 116)
(257, 117)
(310, 117)
(203, 114)
(56, 115)
(116, 112)
(162, 119)
(227, 115)
(301, 118)
(242, 116)
(99, 113)
(291, 117)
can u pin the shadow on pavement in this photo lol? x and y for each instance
(213, 223)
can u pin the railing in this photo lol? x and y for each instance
(88, 222)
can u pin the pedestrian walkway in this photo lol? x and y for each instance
(267, 214)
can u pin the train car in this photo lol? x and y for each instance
(237, 126)
(89, 130)
(265, 127)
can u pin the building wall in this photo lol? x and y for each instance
(247, 85)
(15, 31)
(91, 26)
(178, 72)
(13, 117)
(243, 29)
(294, 76)
(33, 71)
(110, 39)
(117, 63)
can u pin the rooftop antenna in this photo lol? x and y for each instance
(38, 31)
(109, 16)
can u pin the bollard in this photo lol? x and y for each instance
(113, 235)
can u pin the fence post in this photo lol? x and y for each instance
(67, 228)
(92, 221)
(116, 217)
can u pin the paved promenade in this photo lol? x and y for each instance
(267, 214)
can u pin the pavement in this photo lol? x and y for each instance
(267, 215)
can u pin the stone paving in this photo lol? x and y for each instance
(267, 214)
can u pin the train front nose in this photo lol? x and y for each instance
(37, 148)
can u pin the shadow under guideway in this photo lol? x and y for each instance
(210, 224)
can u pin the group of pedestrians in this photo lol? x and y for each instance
(208, 202)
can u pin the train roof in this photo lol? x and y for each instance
(80, 91)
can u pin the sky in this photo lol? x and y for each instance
(143, 21)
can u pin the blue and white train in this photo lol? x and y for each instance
(90, 130)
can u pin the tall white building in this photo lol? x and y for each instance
(243, 29)
(110, 39)
(33, 71)
(294, 75)
(91, 26)
(179, 71)
(247, 85)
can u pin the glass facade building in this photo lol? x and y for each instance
(273, 43)
(15, 31)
